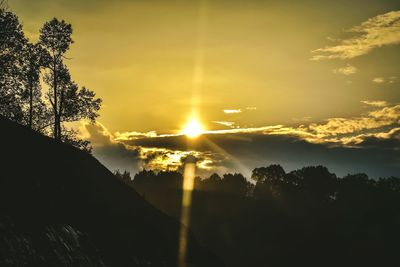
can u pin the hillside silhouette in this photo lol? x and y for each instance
(60, 207)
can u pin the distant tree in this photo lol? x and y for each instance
(143, 180)
(235, 184)
(356, 189)
(211, 184)
(68, 102)
(271, 173)
(390, 183)
(269, 181)
(124, 176)
(314, 185)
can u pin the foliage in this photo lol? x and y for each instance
(23, 65)
(12, 42)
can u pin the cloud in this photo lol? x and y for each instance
(375, 103)
(133, 135)
(162, 159)
(391, 79)
(385, 116)
(225, 123)
(367, 143)
(113, 154)
(387, 140)
(348, 70)
(259, 149)
(235, 111)
(381, 30)
(378, 80)
(302, 119)
(232, 111)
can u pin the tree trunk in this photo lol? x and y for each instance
(59, 126)
(56, 135)
(30, 103)
(60, 111)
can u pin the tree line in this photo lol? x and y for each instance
(36, 87)
(308, 216)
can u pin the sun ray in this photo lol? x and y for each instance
(241, 167)
(193, 129)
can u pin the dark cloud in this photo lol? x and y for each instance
(390, 142)
(369, 144)
(114, 155)
(374, 156)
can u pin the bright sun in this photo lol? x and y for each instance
(193, 129)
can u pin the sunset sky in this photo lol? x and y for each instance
(291, 82)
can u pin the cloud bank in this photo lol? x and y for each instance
(369, 143)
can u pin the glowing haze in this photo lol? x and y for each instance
(289, 82)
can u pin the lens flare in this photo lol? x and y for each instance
(188, 184)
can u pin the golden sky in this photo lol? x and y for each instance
(326, 65)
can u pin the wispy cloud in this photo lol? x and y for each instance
(302, 119)
(381, 30)
(225, 123)
(378, 80)
(347, 70)
(232, 111)
(376, 103)
(133, 135)
(381, 117)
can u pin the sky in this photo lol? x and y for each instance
(290, 82)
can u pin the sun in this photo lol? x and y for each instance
(193, 129)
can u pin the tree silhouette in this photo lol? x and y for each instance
(12, 42)
(234, 184)
(315, 185)
(21, 95)
(55, 36)
(269, 181)
(68, 102)
(125, 176)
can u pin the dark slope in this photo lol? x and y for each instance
(61, 207)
